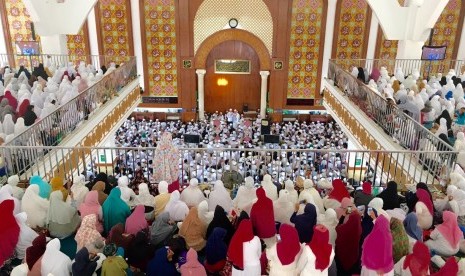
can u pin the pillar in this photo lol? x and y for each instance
(329, 33)
(201, 93)
(263, 91)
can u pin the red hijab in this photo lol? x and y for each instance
(244, 233)
(339, 190)
(450, 229)
(23, 107)
(320, 247)
(289, 246)
(366, 188)
(11, 99)
(450, 268)
(9, 230)
(418, 261)
(348, 241)
(423, 196)
(262, 216)
(377, 247)
(34, 252)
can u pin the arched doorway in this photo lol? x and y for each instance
(241, 89)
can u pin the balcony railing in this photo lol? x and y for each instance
(52, 129)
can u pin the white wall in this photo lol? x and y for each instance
(136, 38)
(92, 26)
(2, 40)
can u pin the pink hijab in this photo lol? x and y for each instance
(346, 202)
(91, 206)
(193, 266)
(450, 229)
(136, 221)
(423, 196)
(377, 247)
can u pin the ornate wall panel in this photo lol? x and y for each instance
(78, 45)
(114, 29)
(160, 46)
(352, 28)
(386, 49)
(307, 35)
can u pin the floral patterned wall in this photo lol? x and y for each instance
(351, 34)
(160, 35)
(78, 45)
(115, 33)
(387, 49)
(306, 35)
(445, 31)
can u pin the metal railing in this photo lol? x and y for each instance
(406, 167)
(53, 128)
(31, 61)
(425, 67)
(408, 132)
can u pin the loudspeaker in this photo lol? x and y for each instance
(265, 127)
(33, 31)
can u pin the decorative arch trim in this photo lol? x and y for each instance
(232, 34)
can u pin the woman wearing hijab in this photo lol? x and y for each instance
(165, 160)
(86, 265)
(216, 251)
(283, 256)
(245, 196)
(136, 221)
(114, 264)
(390, 197)
(346, 207)
(245, 250)
(446, 237)
(35, 207)
(270, 189)
(262, 216)
(424, 209)
(330, 221)
(193, 230)
(283, 207)
(79, 191)
(338, 193)
(9, 231)
(87, 233)
(192, 266)
(91, 206)
(456, 201)
(177, 209)
(118, 237)
(99, 186)
(57, 185)
(163, 263)
(127, 194)
(416, 263)
(220, 219)
(364, 196)
(348, 245)
(305, 222)
(54, 261)
(44, 187)
(114, 210)
(400, 240)
(26, 235)
(311, 195)
(377, 250)
(450, 268)
(220, 196)
(192, 195)
(289, 186)
(162, 198)
(414, 232)
(317, 255)
(62, 219)
(146, 199)
(34, 253)
(29, 116)
(140, 251)
(205, 215)
(162, 230)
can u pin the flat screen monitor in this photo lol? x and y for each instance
(191, 139)
(433, 52)
(271, 139)
(28, 48)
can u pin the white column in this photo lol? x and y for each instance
(137, 39)
(200, 86)
(263, 91)
(2, 43)
(461, 53)
(92, 28)
(373, 37)
(54, 44)
(327, 49)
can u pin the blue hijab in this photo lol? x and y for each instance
(44, 187)
(305, 222)
(412, 228)
(160, 265)
(115, 210)
(216, 248)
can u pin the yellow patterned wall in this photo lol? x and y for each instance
(78, 45)
(386, 49)
(352, 34)
(306, 35)
(115, 33)
(445, 30)
(160, 33)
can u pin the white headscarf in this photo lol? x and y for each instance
(55, 262)
(17, 191)
(192, 195)
(458, 200)
(177, 209)
(35, 207)
(270, 189)
(246, 195)
(204, 215)
(442, 127)
(79, 190)
(283, 207)
(144, 197)
(219, 196)
(311, 195)
(59, 211)
(8, 125)
(460, 142)
(6, 192)
(126, 192)
(26, 235)
(330, 221)
(293, 195)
